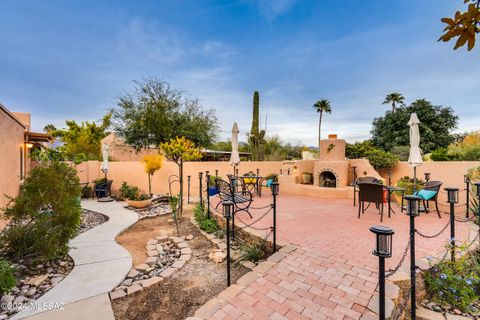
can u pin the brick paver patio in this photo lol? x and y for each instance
(332, 274)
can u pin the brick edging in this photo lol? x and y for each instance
(215, 304)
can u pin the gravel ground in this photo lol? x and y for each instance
(90, 219)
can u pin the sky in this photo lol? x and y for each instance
(72, 60)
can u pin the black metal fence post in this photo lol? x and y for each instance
(452, 199)
(207, 179)
(200, 188)
(188, 189)
(412, 211)
(383, 249)
(227, 212)
(275, 189)
(467, 190)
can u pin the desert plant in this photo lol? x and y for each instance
(127, 191)
(252, 252)
(209, 225)
(46, 214)
(321, 106)
(407, 183)
(152, 164)
(7, 279)
(256, 137)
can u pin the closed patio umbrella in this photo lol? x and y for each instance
(234, 156)
(415, 157)
(104, 169)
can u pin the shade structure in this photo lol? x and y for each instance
(104, 166)
(415, 158)
(235, 157)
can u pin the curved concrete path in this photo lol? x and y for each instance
(101, 264)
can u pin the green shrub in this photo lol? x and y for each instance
(455, 283)
(377, 157)
(407, 183)
(206, 224)
(46, 214)
(252, 252)
(213, 181)
(127, 191)
(132, 193)
(7, 279)
(220, 234)
(401, 152)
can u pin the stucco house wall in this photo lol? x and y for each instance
(12, 152)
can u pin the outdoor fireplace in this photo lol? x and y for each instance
(327, 179)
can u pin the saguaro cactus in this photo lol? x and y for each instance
(257, 136)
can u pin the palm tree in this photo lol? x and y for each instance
(321, 106)
(394, 98)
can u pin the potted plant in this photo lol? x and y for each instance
(140, 200)
(249, 180)
(212, 186)
(307, 178)
(134, 197)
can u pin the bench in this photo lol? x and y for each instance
(241, 200)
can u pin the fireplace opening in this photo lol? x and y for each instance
(327, 179)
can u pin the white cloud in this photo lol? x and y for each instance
(271, 9)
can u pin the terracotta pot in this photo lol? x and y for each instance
(139, 204)
(306, 178)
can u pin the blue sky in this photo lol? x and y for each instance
(72, 59)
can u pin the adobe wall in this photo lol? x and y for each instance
(449, 172)
(133, 173)
(12, 140)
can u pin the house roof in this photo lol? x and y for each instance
(4, 109)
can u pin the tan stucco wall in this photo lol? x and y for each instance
(133, 173)
(449, 172)
(11, 137)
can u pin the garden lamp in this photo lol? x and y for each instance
(427, 176)
(227, 209)
(389, 175)
(466, 178)
(275, 187)
(382, 250)
(452, 195)
(412, 205)
(384, 241)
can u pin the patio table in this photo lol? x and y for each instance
(391, 190)
(253, 184)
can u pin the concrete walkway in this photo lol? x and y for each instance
(100, 265)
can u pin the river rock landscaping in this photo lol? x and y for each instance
(180, 294)
(165, 256)
(33, 280)
(90, 219)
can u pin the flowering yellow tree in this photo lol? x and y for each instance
(152, 164)
(179, 150)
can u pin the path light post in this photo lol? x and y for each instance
(452, 199)
(200, 178)
(427, 176)
(233, 187)
(216, 173)
(478, 209)
(207, 181)
(466, 178)
(389, 175)
(413, 202)
(275, 187)
(382, 250)
(188, 189)
(227, 213)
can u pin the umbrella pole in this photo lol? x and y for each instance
(414, 179)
